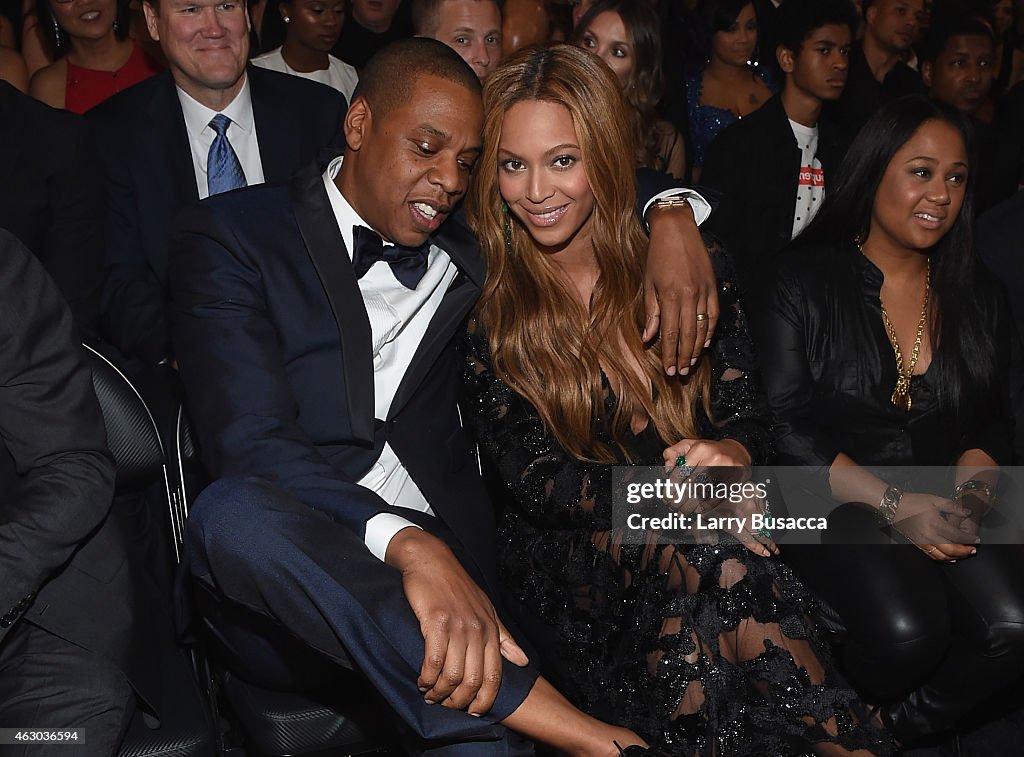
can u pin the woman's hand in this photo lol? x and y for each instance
(707, 453)
(922, 518)
(723, 453)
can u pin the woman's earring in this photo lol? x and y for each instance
(58, 35)
(116, 29)
(287, 19)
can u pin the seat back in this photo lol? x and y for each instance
(132, 434)
(146, 468)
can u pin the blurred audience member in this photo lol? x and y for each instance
(51, 198)
(12, 69)
(472, 28)
(207, 126)
(773, 168)
(93, 56)
(299, 35)
(878, 72)
(33, 44)
(1009, 59)
(524, 23)
(371, 25)
(626, 36)
(730, 85)
(959, 60)
(579, 10)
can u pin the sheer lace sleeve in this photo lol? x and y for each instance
(738, 402)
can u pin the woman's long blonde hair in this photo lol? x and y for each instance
(543, 342)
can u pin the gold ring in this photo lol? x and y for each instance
(702, 317)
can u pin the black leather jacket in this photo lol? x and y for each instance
(829, 371)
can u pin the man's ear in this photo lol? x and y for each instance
(358, 120)
(150, 12)
(869, 15)
(786, 59)
(926, 73)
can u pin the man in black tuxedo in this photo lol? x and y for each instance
(156, 140)
(66, 597)
(320, 373)
(51, 197)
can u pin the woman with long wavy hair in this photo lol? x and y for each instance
(627, 36)
(667, 639)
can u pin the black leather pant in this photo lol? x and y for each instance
(934, 639)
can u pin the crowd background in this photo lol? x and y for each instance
(106, 130)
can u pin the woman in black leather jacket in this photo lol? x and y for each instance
(883, 344)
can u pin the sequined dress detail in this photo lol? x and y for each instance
(703, 649)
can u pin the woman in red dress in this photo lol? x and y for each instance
(94, 58)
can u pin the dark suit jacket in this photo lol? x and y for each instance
(274, 347)
(755, 165)
(63, 564)
(864, 94)
(148, 167)
(1000, 244)
(51, 197)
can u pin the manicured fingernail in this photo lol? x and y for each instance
(423, 689)
(428, 700)
(685, 371)
(671, 370)
(707, 343)
(974, 551)
(693, 361)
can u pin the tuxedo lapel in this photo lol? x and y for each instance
(462, 247)
(327, 250)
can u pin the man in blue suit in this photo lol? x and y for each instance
(313, 325)
(156, 140)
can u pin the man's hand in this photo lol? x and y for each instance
(679, 286)
(464, 640)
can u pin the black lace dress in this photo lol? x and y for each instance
(702, 649)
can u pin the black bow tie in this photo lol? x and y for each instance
(408, 264)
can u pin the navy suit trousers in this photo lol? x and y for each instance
(312, 591)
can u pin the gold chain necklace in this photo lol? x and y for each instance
(901, 394)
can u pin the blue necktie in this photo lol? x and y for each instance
(408, 264)
(223, 171)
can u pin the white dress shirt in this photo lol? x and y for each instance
(241, 133)
(398, 319)
(338, 74)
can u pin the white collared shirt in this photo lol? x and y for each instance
(241, 134)
(398, 319)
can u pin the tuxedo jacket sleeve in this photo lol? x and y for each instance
(231, 266)
(56, 475)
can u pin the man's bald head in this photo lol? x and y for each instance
(391, 75)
